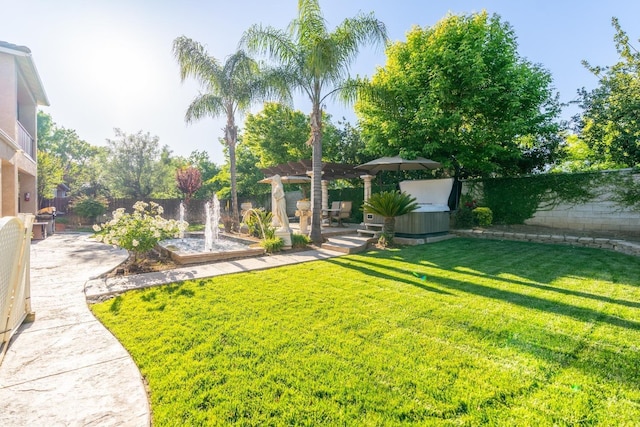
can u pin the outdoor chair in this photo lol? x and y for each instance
(345, 211)
(332, 213)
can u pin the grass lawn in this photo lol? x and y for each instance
(462, 332)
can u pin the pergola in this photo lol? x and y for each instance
(330, 171)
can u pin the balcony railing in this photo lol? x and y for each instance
(26, 142)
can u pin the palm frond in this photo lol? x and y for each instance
(205, 105)
(390, 204)
(274, 43)
(310, 26)
(194, 61)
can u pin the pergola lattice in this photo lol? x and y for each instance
(330, 171)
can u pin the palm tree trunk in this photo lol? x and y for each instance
(389, 226)
(316, 159)
(231, 134)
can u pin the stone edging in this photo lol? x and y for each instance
(623, 246)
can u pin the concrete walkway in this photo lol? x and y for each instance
(66, 369)
(97, 288)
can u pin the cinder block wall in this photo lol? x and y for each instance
(599, 214)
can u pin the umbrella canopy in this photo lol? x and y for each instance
(397, 163)
(288, 180)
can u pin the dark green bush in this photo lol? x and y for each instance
(89, 207)
(463, 217)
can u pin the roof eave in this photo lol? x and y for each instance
(28, 68)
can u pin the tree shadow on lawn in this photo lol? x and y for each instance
(610, 361)
(528, 283)
(528, 301)
(374, 273)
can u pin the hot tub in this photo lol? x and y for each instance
(432, 216)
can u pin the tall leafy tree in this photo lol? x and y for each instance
(74, 154)
(277, 134)
(610, 123)
(49, 175)
(316, 62)
(136, 168)
(229, 88)
(460, 93)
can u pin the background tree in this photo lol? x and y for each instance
(208, 170)
(316, 62)
(277, 134)
(610, 123)
(49, 175)
(189, 180)
(460, 89)
(229, 89)
(135, 168)
(344, 144)
(74, 154)
(249, 174)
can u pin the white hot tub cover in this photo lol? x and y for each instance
(432, 195)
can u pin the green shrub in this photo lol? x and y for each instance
(482, 216)
(274, 244)
(259, 223)
(464, 214)
(89, 207)
(299, 240)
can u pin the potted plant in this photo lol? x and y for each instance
(304, 204)
(61, 223)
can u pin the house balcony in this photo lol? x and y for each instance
(26, 141)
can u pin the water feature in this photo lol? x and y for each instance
(181, 223)
(208, 246)
(212, 219)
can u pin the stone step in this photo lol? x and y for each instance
(348, 244)
(368, 232)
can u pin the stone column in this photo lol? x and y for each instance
(367, 186)
(325, 194)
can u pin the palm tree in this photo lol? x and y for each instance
(316, 62)
(228, 89)
(390, 204)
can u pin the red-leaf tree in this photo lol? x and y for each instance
(189, 181)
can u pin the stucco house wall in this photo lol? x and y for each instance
(21, 92)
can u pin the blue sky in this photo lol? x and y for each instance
(108, 63)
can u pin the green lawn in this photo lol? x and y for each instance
(462, 332)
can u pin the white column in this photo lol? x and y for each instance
(367, 186)
(325, 194)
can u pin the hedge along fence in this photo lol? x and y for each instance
(516, 200)
(194, 212)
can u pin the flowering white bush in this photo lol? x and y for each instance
(140, 231)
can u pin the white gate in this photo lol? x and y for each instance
(15, 295)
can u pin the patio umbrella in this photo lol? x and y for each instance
(397, 163)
